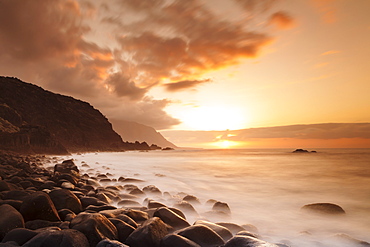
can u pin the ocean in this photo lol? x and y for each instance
(265, 187)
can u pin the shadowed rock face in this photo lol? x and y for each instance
(63, 121)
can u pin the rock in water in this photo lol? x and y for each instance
(149, 234)
(202, 235)
(324, 208)
(10, 219)
(172, 240)
(171, 218)
(244, 241)
(95, 226)
(220, 230)
(39, 206)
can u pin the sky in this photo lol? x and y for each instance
(196, 64)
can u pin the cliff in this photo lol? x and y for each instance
(38, 121)
(132, 131)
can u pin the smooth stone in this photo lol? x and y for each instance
(39, 206)
(137, 215)
(89, 200)
(173, 240)
(248, 234)
(128, 220)
(191, 199)
(95, 226)
(66, 213)
(151, 189)
(14, 203)
(221, 206)
(128, 203)
(110, 243)
(233, 228)
(67, 166)
(202, 235)
(220, 230)
(245, 241)
(99, 208)
(19, 235)
(186, 207)
(37, 224)
(171, 218)
(155, 204)
(61, 238)
(124, 230)
(324, 208)
(9, 220)
(16, 195)
(65, 199)
(149, 234)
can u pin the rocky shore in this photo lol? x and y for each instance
(55, 205)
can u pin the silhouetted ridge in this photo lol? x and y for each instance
(39, 121)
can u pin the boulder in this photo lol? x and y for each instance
(192, 199)
(61, 238)
(155, 204)
(110, 243)
(324, 208)
(221, 206)
(245, 241)
(124, 230)
(186, 207)
(149, 234)
(151, 189)
(233, 228)
(220, 230)
(37, 224)
(137, 215)
(95, 226)
(68, 167)
(14, 203)
(202, 235)
(19, 235)
(172, 240)
(39, 206)
(65, 199)
(9, 220)
(171, 218)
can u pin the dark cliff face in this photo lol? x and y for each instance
(42, 118)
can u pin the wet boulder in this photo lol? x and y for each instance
(39, 206)
(220, 230)
(324, 208)
(149, 234)
(171, 218)
(68, 167)
(124, 230)
(95, 226)
(19, 235)
(110, 243)
(202, 235)
(245, 241)
(10, 219)
(172, 240)
(58, 238)
(65, 199)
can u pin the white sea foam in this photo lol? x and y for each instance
(265, 188)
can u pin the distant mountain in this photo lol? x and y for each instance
(132, 131)
(34, 120)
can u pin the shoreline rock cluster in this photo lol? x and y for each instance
(59, 207)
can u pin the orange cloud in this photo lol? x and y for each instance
(331, 52)
(282, 20)
(327, 9)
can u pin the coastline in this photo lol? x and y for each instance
(130, 212)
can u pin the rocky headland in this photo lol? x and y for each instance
(34, 121)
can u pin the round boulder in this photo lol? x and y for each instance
(9, 220)
(172, 240)
(39, 206)
(324, 208)
(65, 199)
(202, 235)
(61, 238)
(95, 226)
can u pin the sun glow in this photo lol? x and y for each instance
(225, 144)
(214, 118)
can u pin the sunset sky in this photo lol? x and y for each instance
(197, 64)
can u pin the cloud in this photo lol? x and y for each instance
(119, 50)
(331, 52)
(180, 85)
(282, 20)
(327, 10)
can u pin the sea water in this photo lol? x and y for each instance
(266, 187)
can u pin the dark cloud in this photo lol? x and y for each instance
(124, 87)
(180, 85)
